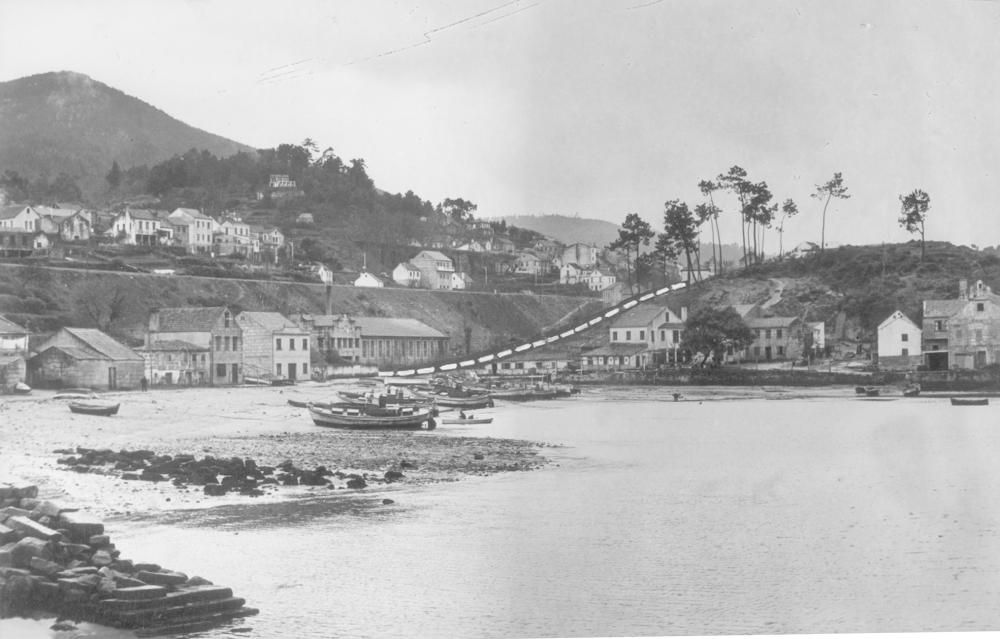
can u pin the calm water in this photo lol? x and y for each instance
(731, 515)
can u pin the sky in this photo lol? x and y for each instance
(578, 107)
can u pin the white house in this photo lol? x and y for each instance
(18, 217)
(436, 269)
(367, 280)
(323, 272)
(13, 338)
(460, 281)
(192, 229)
(531, 264)
(406, 274)
(582, 254)
(898, 336)
(141, 227)
(570, 273)
(598, 280)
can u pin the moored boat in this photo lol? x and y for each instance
(75, 393)
(524, 394)
(970, 401)
(467, 420)
(342, 415)
(100, 408)
(450, 398)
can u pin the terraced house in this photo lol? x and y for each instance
(211, 332)
(273, 346)
(963, 332)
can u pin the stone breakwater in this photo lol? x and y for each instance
(60, 561)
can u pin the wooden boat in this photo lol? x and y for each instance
(970, 401)
(75, 393)
(467, 420)
(100, 408)
(911, 391)
(342, 415)
(452, 398)
(301, 403)
(391, 399)
(524, 394)
(21, 388)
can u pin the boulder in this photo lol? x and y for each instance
(165, 578)
(140, 592)
(215, 490)
(8, 535)
(393, 475)
(33, 528)
(99, 540)
(102, 558)
(356, 482)
(44, 566)
(81, 526)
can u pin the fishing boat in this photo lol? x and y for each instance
(341, 415)
(524, 394)
(457, 398)
(301, 403)
(100, 408)
(390, 399)
(970, 401)
(467, 420)
(75, 393)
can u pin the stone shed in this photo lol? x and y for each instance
(85, 357)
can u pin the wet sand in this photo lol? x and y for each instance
(246, 422)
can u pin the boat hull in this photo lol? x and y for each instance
(447, 401)
(354, 417)
(977, 401)
(87, 408)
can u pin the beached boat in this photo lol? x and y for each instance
(970, 401)
(467, 420)
(454, 398)
(21, 388)
(524, 394)
(75, 393)
(302, 403)
(911, 391)
(100, 408)
(391, 399)
(342, 415)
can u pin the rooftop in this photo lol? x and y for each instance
(396, 327)
(189, 319)
(8, 327)
(103, 343)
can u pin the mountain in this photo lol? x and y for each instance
(568, 230)
(67, 122)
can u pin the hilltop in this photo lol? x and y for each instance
(65, 122)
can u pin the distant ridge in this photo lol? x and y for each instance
(68, 122)
(566, 229)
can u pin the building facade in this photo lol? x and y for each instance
(899, 342)
(212, 328)
(274, 346)
(85, 357)
(399, 342)
(962, 333)
(435, 268)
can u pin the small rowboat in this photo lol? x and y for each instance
(102, 409)
(75, 393)
(21, 388)
(453, 399)
(970, 401)
(467, 420)
(364, 417)
(301, 403)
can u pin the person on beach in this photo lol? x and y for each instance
(144, 383)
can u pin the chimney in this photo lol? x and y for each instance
(329, 299)
(963, 289)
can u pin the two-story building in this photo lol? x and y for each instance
(192, 229)
(389, 342)
(337, 337)
(531, 264)
(435, 268)
(18, 217)
(70, 225)
(172, 362)
(598, 280)
(964, 332)
(581, 254)
(85, 357)
(406, 274)
(644, 336)
(13, 338)
(899, 342)
(274, 346)
(775, 338)
(142, 227)
(213, 330)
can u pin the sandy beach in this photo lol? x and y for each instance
(245, 422)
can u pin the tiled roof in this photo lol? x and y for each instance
(770, 322)
(641, 315)
(408, 266)
(75, 352)
(195, 213)
(8, 327)
(103, 343)
(48, 211)
(268, 320)
(322, 320)
(395, 327)
(616, 349)
(173, 345)
(537, 356)
(11, 211)
(433, 255)
(943, 308)
(189, 319)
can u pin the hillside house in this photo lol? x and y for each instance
(598, 280)
(213, 328)
(775, 338)
(964, 332)
(274, 346)
(369, 280)
(18, 217)
(435, 268)
(530, 264)
(406, 274)
(460, 281)
(70, 225)
(581, 254)
(19, 243)
(500, 244)
(13, 338)
(656, 328)
(473, 246)
(142, 227)
(85, 357)
(399, 342)
(280, 182)
(13, 370)
(614, 357)
(899, 340)
(548, 249)
(571, 273)
(176, 362)
(337, 338)
(192, 229)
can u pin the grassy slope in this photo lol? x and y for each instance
(46, 303)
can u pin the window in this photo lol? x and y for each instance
(614, 336)
(225, 343)
(777, 333)
(305, 344)
(980, 306)
(220, 370)
(519, 365)
(305, 369)
(939, 325)
(628, 336)
(236, 343)
(642, 335)
(767, 333)
(291, 344)
(663, 336)
(277, 344)
(677, 337)
(218, 342)
(905, 337)
(979, 335)
(226, 318)
(905, 352)
(320, 343)
(781, 351)
(505, 366)
(277, 368)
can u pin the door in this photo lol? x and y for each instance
(767, 353)
(236, 373)
(112, 378)
(291, 371)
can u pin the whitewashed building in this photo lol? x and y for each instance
(898, 336)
